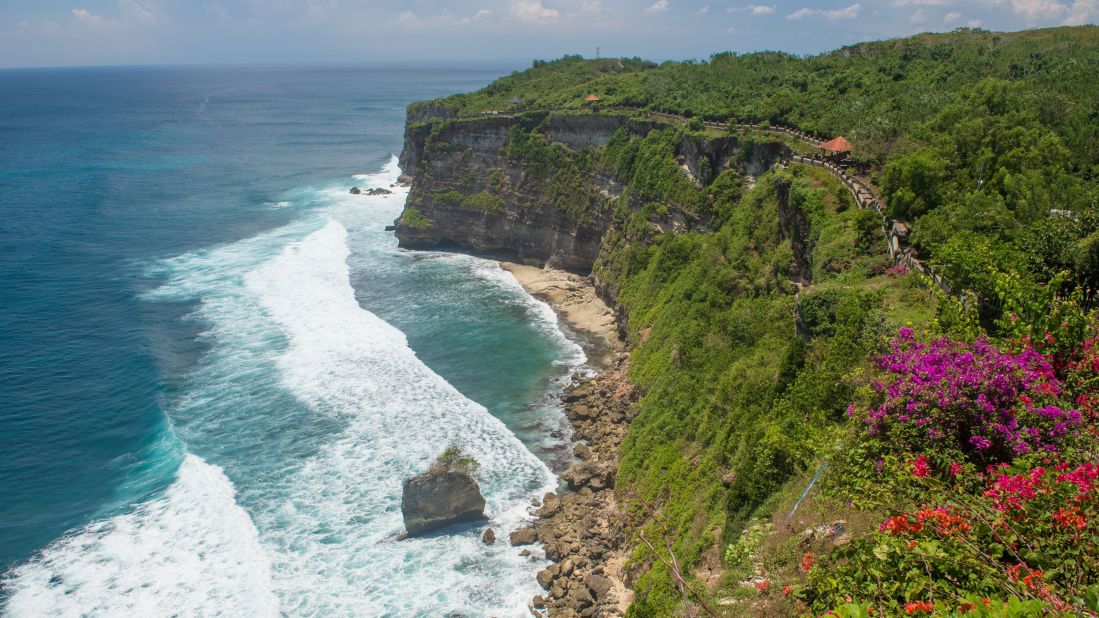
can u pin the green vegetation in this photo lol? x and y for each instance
(764, 338)
(455, 459)
(736, 400)
(1009, 158)
(414, 218)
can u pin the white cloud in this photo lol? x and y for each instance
(532, 10)
(922, 2)
(91, 21)
(951, 17)
(754, 9)
(658, 7)
(974, 23)
(1035, 10)
(918, 18)
(702, 10)
(481, 15)
(848, 12)
(1082, 12)
(137, 11)
(412, 21)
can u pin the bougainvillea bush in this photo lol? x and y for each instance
(982, 461)
(971, 399)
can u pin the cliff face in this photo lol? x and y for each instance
(468, 193)
(471, 197)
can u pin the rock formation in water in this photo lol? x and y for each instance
(446, 494)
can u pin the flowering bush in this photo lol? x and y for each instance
(971, 398)
(982, 460)
(1026, 532)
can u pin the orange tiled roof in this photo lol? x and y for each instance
(839, 144)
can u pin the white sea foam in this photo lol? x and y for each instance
(192, 551)
(345, 362)
(290, 345)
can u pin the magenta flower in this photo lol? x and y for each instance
(970, 396)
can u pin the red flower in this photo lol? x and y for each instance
(945, 523)
(920, 469)
(807, 562)
(965, 608)
(955, 468)
(1070, 518)
(919, 607)
(912, 544)
(763, 585)
(900, 524)
(787, 589)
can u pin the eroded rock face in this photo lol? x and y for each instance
(439, 498)
(468, 194)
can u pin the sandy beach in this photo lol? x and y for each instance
(573, 298)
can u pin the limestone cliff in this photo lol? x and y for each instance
(471, 192)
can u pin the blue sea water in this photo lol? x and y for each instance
(216, 368)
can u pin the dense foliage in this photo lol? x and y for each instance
(735, 399)
(1003, 176)
(970, 520)
(952, 435)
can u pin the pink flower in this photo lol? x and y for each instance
(920, 469)
(955, 468)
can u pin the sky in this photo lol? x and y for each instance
(111, 32)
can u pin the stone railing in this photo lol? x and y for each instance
(896, 232)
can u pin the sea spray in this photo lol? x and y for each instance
(316, 409)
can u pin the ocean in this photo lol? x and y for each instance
(216, 368)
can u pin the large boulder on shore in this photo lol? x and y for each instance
(439, 498)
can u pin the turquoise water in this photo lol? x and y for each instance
(217, 367)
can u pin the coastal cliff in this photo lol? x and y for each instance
(574, 192)
(779, 310)
(524, 187)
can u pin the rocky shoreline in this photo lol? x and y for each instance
(581, 529)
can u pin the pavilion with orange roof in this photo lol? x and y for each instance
(837, 146)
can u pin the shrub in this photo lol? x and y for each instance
(967, 398)
(412, 217)
(1023, 531)
(455, 459)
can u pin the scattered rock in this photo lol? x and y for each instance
(524, 536)
(582, 530)
(538, 602)
(356, 191)
(391, 228)
(489, 537)
(582, 452)
(599, 586)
